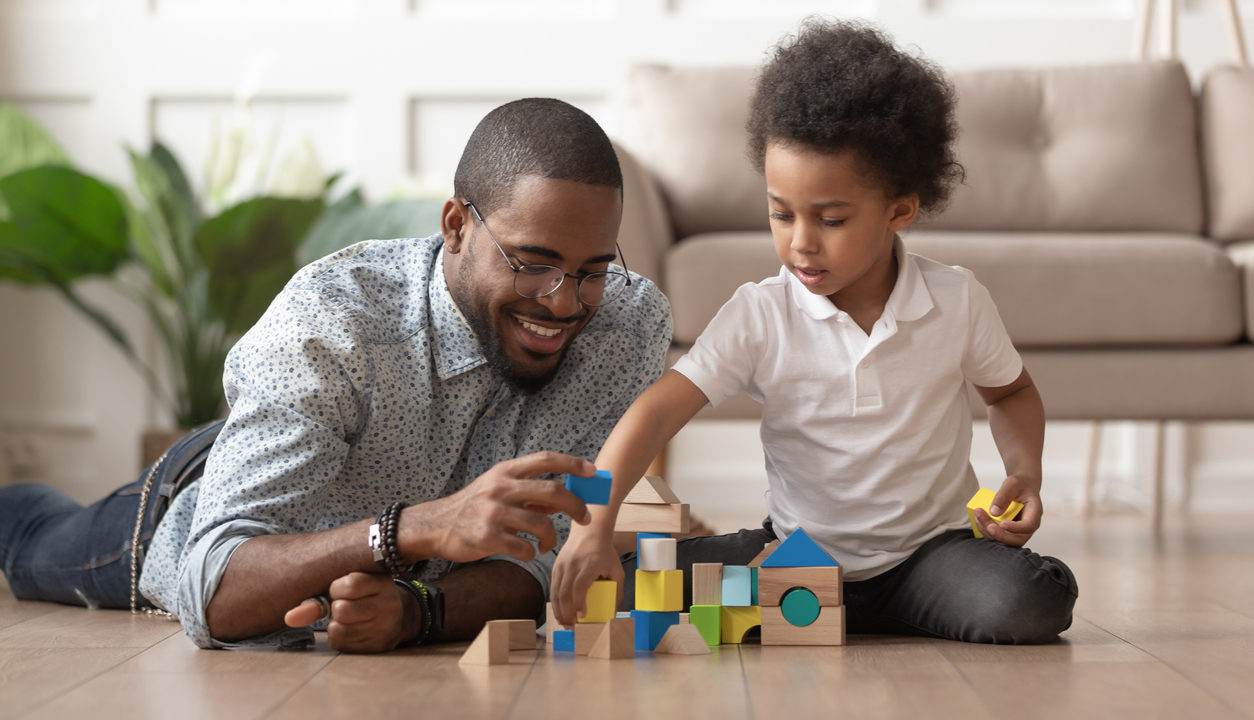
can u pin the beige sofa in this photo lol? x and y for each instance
(1109, 210)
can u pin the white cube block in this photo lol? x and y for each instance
(656, 554)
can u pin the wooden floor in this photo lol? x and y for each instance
(1164, 629)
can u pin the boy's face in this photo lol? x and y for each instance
(562, 223)
(832, 231)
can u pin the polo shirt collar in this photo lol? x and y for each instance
(909, 300)
(454, 345)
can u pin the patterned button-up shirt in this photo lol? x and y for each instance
(363, 384)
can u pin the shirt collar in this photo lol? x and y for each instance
(453, 343)
(909, 300)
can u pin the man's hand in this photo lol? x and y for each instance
(485, 517)
(1014, 531)
(585, 558)
(368, 614)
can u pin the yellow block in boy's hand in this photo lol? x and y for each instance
(982, 499)
(600, 601)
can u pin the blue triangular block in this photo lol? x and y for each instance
(799, 551)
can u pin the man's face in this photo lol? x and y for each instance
(566, 224)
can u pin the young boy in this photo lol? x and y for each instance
(860, 354)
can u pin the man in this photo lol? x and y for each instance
(455, 374)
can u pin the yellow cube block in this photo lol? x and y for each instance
(736, 621)
(982, 499)
(602, 600)
(660, 590)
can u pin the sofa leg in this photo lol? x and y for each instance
(1156, 500)
(1090, 467)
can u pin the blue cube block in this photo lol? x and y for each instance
(564, 640)
(737, 586)
(593, 490)
(651, 626)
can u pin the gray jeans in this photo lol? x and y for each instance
(954, 586)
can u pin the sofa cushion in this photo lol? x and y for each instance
(1227, 116)
(1052, 289)
(1111, 147)
(1243, 255)
(687, 125)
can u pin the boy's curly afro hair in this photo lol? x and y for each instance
(842, 86)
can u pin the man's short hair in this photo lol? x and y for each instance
(541, 137)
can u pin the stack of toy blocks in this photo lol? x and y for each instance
(659, 590)
(799, 587)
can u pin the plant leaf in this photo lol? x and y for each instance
(171, 207)
(67, 224)
(350, 221)
(25, 144)
(248, 250)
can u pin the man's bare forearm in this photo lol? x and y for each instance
(493, 590)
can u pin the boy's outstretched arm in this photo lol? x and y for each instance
(651, 421)
(1016, 417)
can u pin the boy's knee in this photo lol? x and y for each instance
(1029, 611)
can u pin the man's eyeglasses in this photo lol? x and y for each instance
(537, 281)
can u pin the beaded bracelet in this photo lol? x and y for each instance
(420, 593)
(382, 540)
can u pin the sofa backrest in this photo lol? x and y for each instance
(1227, 120)
(1110, 147)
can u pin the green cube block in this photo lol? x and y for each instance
(708, 619)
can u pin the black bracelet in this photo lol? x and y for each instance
(428, 597)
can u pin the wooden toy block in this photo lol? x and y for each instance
(982, 499)
(593, 490)
(660, 590)
(683, 619)
(550, 624)
(827, 629)
(736, 621)
(656, 554)
(708, 620)
(651, 490)
(636, 517)
(737, 586)
(800, 607)
(617, 640)
(651, 626)
(707, 583)
(522, 634)
(564, 640)
(643, 535)
(682, 640)
(491, 647)
(586, 636)
(798, 550)
(602, 601)
(824, 582)
(766, 552)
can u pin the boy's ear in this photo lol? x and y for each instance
(904, 211)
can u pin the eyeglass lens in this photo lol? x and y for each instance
(533, 281)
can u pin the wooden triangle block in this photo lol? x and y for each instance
(491, 647)
(651, 490)
(682, 640)
(617, 640)
(799, 551)
(766, 552)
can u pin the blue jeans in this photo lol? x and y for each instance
(955, 586)
(52, 548)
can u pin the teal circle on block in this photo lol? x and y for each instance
(800, 607)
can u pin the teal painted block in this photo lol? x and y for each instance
(799, 551)
(737, 586)
(708, 619)
(799, 607)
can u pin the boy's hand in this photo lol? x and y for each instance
(1018, 530)
(586, 557)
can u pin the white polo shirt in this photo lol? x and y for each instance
(867, 439)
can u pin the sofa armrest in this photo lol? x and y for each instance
(1242, 253)
(645, 234)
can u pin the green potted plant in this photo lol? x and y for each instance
(201, 277)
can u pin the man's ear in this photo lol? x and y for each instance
(453, 220)
(904, 211)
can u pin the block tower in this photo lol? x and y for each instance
(799, 586)
(653, 511)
